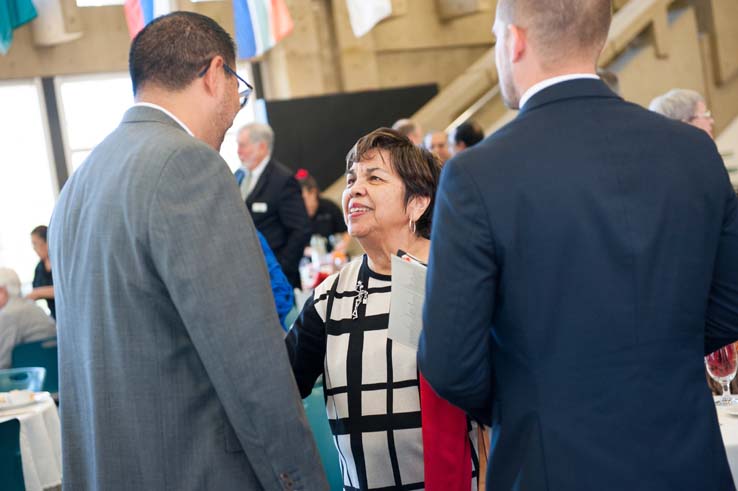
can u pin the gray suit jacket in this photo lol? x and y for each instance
(173, 372)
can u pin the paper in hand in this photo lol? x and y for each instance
(406, 301)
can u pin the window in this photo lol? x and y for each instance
(91, 106)
(27, 192)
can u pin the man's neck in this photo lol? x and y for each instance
(186, 114)
(535, 76)
(543, 80)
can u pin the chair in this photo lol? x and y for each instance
(315, 410)
(28, 378)
(41, 353)
(291, 317)
(11, 467)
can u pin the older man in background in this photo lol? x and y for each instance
(437, 143)
(687, 106)
(409, 128)
(173, 370)
(21, 321)
(584, 258)
(273, 197)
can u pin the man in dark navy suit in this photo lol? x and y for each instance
(583, 260)
(273, 197)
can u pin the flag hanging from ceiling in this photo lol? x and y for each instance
(13, 14)
(141, 12)
(260, 24)
(365, 14)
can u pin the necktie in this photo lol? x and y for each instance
(246, 185)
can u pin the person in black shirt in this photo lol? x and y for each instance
(326, 218)
(43, 283)
(467, 135)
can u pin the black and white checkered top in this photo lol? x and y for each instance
(370, 383)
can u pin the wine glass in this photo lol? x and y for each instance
(722, 365)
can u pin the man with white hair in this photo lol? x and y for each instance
(687, 106)
(409, 128)
(273, 198)
(21, 321)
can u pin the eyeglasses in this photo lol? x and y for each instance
(243, 93)
(704, 115)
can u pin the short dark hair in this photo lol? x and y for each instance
(40, 232)
(469, 133)
(418, 168)
(563, 27)
(172, 49)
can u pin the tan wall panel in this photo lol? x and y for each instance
(719, 18)
(295, 67)
(643, 75)
(400, 69)
(103, 47)
(726, 38)
(356, 56)
(221, 12)
(722, 98)
(422, 27)
(455, 8)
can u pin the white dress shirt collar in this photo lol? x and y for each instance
(154, 106)
(544, 84)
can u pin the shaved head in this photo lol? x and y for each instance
(560, 28)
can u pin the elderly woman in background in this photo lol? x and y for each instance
(43, 283)
(684, 105)
(371, 384)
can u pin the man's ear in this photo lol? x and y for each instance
(213, 76)
(517, 42)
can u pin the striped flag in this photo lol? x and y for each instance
(260, 24)
(141, 12)
(13, 14)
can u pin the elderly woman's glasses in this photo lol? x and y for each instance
(704, 115)
(244, 88)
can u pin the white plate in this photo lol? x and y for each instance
(20, 398)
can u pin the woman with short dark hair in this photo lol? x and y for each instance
(43, 282)
(371, 383)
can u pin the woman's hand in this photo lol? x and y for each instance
(41, 292)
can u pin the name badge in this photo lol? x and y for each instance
(259, 207)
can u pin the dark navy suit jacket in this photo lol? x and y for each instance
(583, 260)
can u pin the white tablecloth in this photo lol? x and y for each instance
(40, 443)
(729, 429)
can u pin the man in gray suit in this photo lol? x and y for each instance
(173, 371)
